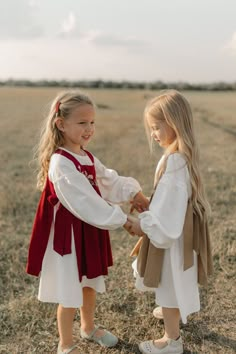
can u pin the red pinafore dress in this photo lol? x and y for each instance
(92, 245)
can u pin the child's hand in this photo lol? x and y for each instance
(127, 226)
(139, 203)
(135, 226)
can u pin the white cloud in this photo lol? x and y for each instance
(97, 37)
(91, 35)
(230, 46)
(100, 38)
(69, 26)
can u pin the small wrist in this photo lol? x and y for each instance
(126, 221)
(134, 194)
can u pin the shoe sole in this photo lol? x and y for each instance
(144, 352)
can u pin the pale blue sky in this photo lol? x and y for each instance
(137, 40)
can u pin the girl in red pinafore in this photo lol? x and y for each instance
(70, 246)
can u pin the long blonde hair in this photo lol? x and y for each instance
(173, 108)
(51, 138)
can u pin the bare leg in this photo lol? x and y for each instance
(87, 311)
(65, 317)
(171, 322)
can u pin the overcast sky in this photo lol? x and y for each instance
(137, 40)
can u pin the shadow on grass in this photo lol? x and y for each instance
(222, 340)
(128, 348)
(203, 334)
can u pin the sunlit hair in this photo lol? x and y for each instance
(51, 137)
(173, 108)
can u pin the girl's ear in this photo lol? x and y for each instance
(59, 124)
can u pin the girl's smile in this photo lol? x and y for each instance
(78, 128)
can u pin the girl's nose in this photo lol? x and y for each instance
(89, 127)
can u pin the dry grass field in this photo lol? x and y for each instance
(28, 326)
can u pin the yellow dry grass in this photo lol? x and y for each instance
(27, 326)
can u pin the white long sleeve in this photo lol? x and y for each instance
(114, 188)
(76, 193)
(164, 221)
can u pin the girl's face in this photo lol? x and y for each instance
(161, 132)
(78, 128)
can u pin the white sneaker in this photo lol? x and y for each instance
(172, 347)
(157, 312)
(66, 351)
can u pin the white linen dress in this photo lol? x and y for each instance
(59, 281)
(163, 224)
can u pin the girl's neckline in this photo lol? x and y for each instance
(75, 154)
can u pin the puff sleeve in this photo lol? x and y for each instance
(164, 221)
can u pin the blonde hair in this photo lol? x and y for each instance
(51, 138)
(173, 108)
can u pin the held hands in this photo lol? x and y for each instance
(134, 226)
(127, 226)
(140, 203)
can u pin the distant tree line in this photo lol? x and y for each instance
(156, 85)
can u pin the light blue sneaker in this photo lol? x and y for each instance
(107, 340)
